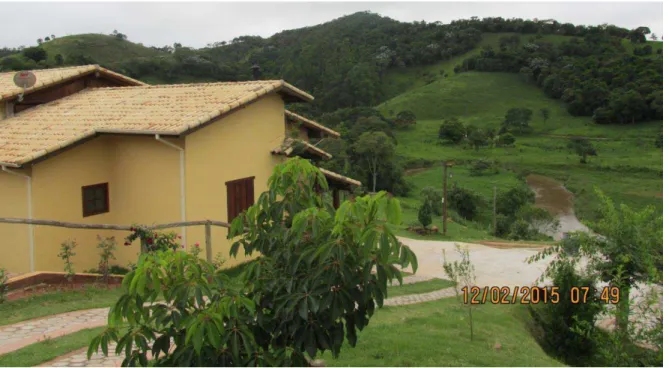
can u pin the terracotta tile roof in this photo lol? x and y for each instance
(49, 77)
(312, 124)
(288, 147)
(340, 178)
(164, 109)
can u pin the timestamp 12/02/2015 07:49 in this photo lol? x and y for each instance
(537, 295)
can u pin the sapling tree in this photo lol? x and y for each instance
(66, 254)
(320, 275)
(425, 213)
(107, 247)
(462, 273)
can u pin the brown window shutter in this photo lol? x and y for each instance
(240, 195)
(250, 195)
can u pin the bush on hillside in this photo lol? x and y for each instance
(404, 119)
(36, 53)
(483, 167)
(568, 328)
(509, 202)
(452, 130)
(507, 139)
(477, 138)
(466, 202)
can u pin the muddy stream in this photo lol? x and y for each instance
(556, 199)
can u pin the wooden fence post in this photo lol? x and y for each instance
(207, 240)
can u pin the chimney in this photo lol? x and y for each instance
(256, 71)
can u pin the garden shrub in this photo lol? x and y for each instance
(320, 276)
(433, 196)
(151, 240)
(66, 254)
(425, 213)
(107, 247)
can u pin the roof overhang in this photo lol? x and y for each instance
(339, 181)
(290, 145)
(82, 72)
(311, 124)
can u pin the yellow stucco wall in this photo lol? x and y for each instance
(144, 185)
(14, 251)
(57, 186)
(143, 177)
(147, 186)
(235, 147)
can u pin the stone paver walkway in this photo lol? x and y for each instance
(419, 298)
(19, 335)
(78, 358)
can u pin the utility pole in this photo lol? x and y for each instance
(444, 200)
(494, 210)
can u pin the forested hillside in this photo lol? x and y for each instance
(344, 62)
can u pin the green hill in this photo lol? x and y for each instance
(400, 80)
(628, 166)
(101, 48)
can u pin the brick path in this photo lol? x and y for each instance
(19, 335)
(78, 359)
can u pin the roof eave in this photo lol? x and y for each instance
(94, 69)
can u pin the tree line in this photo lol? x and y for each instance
(595, 75)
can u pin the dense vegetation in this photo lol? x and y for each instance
(342, 62)
(594, 75)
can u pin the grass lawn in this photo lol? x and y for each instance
(419, 287)
(55, 303)
(437, 334)
(628, 167)
(49, 349)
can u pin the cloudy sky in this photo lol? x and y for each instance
(197, 24)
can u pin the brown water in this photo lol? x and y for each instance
(556, 199)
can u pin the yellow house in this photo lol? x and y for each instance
(88, 145)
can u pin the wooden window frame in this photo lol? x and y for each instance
(104, 186)
(248, 201)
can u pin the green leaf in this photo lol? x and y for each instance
(213, 335)
(198, 337)
(304, 309)
(394, 211)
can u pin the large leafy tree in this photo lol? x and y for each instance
(582, 147)
(319, 277)
(517, 120)
(374, 150)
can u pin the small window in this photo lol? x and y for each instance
(240, 196)
(95, 199)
